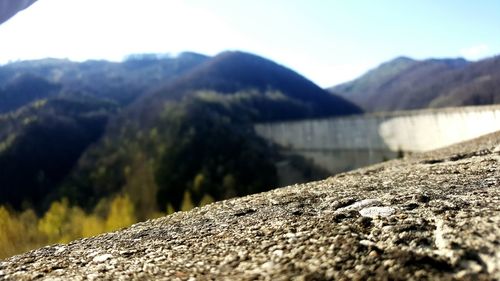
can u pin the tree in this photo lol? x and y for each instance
(206, 199)
(121, 213)
(52, 223)
(187, 202)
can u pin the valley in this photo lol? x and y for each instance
(101, 145)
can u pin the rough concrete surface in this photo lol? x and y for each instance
(431, 216)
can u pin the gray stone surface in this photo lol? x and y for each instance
(444, 224)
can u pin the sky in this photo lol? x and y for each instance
(328, 41)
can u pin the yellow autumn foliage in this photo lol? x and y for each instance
(51, 224)
(187, 202)
(170, 209)
(121, 213)
(62, 223)
(17, 233)
(92, 225)
(206, 199)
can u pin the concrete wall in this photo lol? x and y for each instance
(412, 131)
(346, 143)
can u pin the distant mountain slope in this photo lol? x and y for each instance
(479, 85)
(421, 84)
(122, 82)
(232, 72)
(363, 87)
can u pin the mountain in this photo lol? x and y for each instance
(121, 82)
(232, 72)
(52, 110)
(404, 83)
(100, 145)
(24, 89)
(479, 84)
(157, 128)
(363, 87)
(197, 136)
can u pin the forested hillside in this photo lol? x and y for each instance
(200, 127)
(53, 110)
(41, 144)
(404, 83)
(23, 89)
(100, 145)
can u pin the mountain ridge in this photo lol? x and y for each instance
(402, 84)
(429, 83)
(220, 73)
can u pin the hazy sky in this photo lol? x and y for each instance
(328, 41)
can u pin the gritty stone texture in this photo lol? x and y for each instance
(440, 220)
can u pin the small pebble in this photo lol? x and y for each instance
(102, 258)
(372, 212)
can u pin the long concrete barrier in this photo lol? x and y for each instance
(411, 131)
(346, 143)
